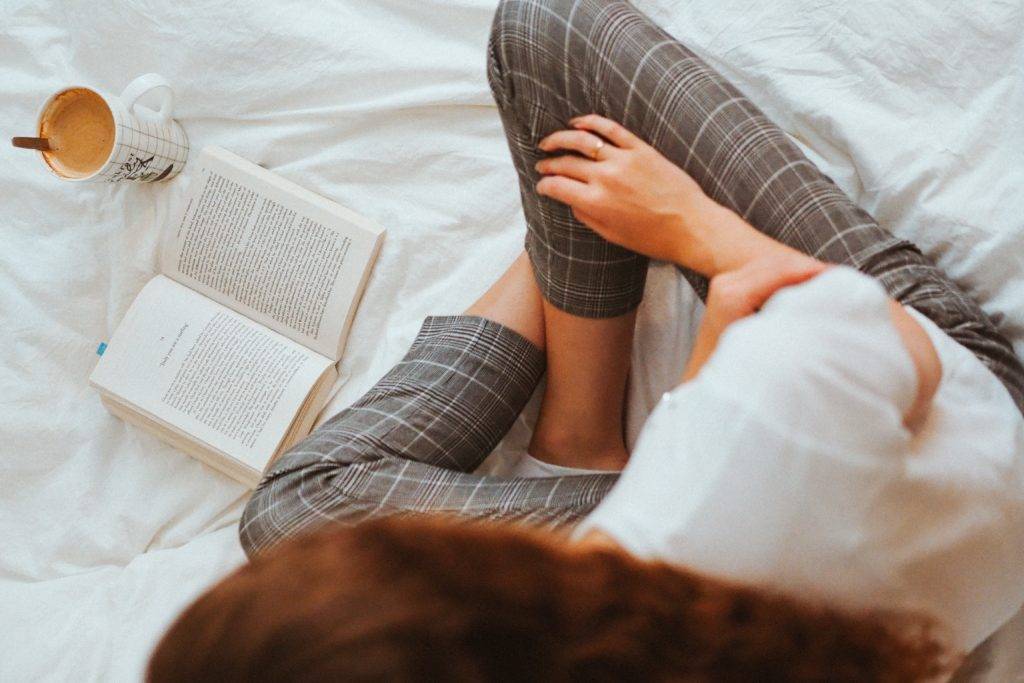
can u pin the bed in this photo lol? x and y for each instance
(916, 111)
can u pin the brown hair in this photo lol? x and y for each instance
(430, 599)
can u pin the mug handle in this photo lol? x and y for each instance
(142, 85)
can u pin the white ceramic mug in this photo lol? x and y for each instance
(148, 144)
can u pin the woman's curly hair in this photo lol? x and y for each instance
(430, 599)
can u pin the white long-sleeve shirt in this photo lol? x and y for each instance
(785, 464)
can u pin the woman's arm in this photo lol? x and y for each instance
(739, 293)
(632, 196)
(926, 362)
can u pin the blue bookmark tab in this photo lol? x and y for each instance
(101, 348)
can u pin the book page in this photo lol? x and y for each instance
(208, 371)
(272, 251)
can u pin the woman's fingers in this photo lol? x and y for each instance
(568, 165)
(565, 190)
(766, 277)
(580, 141)
(608, 129)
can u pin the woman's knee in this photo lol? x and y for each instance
(511, 34)
(518, 24)
(527, 34)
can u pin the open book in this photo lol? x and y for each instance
(229, 353)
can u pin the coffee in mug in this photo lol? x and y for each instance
(80, 130)
(84, 135)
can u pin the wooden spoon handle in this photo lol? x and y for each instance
(42, 144)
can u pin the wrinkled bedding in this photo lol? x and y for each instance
(916, 111)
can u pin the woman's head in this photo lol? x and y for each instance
(434, 600)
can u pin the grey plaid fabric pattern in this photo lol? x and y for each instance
(550, 60)
(411, 444)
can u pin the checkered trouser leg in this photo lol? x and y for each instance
(550, 60)
(411, 443)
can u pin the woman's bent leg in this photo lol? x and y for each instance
(549, 60)
(580, 422)
(411, 443)
(582, 415)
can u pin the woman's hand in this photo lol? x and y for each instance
(738, 293)
(621, 187)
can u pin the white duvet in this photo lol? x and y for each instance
(916, 110)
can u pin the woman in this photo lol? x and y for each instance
(826, 441)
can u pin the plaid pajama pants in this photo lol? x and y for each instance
(411, 444)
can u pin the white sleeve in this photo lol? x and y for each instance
(765, 466)
(822, 360)
(785, 465)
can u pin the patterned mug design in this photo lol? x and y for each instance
(134, 168)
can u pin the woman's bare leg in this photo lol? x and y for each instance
(580, 422)
(514, 301)
(581, 417)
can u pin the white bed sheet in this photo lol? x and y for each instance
(917, 111)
